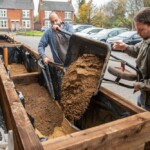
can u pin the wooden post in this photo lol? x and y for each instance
(5, 54)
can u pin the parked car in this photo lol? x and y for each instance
(107, 33)
(80, 27)
(89, 31)
(129, 37)
(44, 28)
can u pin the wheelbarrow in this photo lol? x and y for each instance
(77, 47)
(120, 72)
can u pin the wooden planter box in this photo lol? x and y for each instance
(131, 131)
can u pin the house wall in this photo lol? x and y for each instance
(32, 19)
(41, 18)
(61, 14)
(15, 17)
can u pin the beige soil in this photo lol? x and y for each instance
(38, 103)
(48, 116)
(3, 41)
(79, 84)
(65, 129)
(16, 69)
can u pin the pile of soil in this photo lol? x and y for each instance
(16, 69)
(46, 112)
(79, 84)
(65, 129)
(49, 121)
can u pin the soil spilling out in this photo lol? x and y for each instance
(79, 84)
(16, 69)
(65, 129)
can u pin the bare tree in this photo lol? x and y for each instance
(146, 3)
(132, 7)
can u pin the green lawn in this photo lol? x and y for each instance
(30, 33)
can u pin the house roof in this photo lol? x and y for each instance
(53, 6)
(16, 4)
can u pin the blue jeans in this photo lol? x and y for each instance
(139, 103)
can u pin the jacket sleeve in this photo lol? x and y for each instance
(43, 44)
(145, 85)
(69, 28)
(133, 50)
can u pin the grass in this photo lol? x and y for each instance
(30, 33)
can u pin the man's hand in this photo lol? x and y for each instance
(55, 27)
(46, 60)
(120, 46)
(136, 86)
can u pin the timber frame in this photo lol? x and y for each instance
(132, 132)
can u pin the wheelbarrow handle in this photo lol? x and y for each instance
(118, 83)
(129, 65)
(64, 31)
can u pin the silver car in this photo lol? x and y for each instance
(107, 33)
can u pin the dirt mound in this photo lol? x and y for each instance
(79, 84)
(39, 105)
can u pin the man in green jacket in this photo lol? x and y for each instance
(141, 52)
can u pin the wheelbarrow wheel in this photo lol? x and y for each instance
(126, 74)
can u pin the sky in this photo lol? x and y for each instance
(97, 2)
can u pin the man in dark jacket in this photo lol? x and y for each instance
(141, 52)
(57, 41)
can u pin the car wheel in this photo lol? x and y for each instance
(103, 40)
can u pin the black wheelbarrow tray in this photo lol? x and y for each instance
(110, 122)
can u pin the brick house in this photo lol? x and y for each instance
(16, 14)
(65, 11)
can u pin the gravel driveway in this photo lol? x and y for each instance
(33, 41)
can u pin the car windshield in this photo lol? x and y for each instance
(76, 26)
(87, 30)
(126, 34)
(105, 31)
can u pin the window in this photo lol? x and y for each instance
(136, 36)
(124, 30)
(26, 23)
(113, 33)
(26, 13)
(47, 23)
(47, 14)
(68, 22)
(3, 23)
(3, 13)
(67, 15)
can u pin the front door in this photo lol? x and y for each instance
(12, 26)
(17, 25)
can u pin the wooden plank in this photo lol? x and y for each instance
(5, 54)
(26, 78)
(15, 115)
(123, 134)
(122, 102)
(6, 45)
(30, 50)
(10, 39)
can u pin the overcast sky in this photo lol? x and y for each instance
(97, 2)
